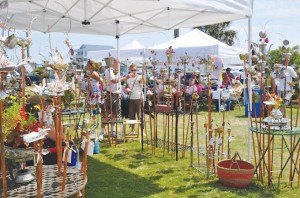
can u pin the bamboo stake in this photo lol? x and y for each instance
(187, 128)
(65, 163)
(59, 148)
(164, 132)
(168, 126)
(298, 108)
(223, 132)
(209, 153)
(198, 144)
(23, 76)
(291, 160)
(183, 116)
(3, 164)
(269, 151)
(84, 159)
(154, 113)
(151, 131)
(39, 147)
(298, 169)
(257, 137)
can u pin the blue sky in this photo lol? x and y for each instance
(279, 18)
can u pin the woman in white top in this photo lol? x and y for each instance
(135, 93)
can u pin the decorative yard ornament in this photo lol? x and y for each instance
(286, 42)
(109, 60)
(11, 41)
(262, 34)
(185, 59)
(170, 54)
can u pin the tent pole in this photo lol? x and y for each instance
(118, 117)
(250, 101)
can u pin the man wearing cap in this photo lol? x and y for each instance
(227, 77)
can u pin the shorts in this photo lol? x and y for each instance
(134, 108)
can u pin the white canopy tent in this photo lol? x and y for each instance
(119, 17)
(196, 44)
(131, 52)
(197, 38)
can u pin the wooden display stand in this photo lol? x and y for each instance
(130, 122)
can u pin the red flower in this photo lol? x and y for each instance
(23, 113)
(267, 40)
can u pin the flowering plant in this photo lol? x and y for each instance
(170, 53)
(277, 101)
(17, 122)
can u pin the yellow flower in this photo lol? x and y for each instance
(12, 97)
(24, 98)
(36, 107)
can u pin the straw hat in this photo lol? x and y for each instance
(94, 64)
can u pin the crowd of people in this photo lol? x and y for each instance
(104, 94)
(107, 91)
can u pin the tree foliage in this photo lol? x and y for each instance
(275, 56)
(220, 32)
(42, 72)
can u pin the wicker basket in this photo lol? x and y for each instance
(235, 173)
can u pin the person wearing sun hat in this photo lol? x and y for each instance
(237, 90)
(94, 81)
(227, 77)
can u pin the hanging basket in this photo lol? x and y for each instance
(235, 173)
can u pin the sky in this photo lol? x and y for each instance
(280, 19)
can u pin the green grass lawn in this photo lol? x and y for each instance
(127, 171)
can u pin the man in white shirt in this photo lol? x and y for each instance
(286, 75)
(110, 109)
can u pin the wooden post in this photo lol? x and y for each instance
(59, 140)
(3, 165)
(84, 159)
(38, 146)
(269, 150)
(183, 116)
(65, 163)
(209, 151)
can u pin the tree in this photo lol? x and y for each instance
(275, 56)
(220, 31)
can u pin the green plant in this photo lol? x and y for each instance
(67, 98)
(16, 122)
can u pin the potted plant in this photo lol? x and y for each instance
(17, 122)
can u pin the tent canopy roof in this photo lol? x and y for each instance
(196, 39)
(119, 17)
(133, 45)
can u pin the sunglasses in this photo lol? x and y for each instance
(133, 70)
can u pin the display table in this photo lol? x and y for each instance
(276, 151)
(218, 97)
(51, 184)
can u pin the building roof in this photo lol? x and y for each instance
(87, 47)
